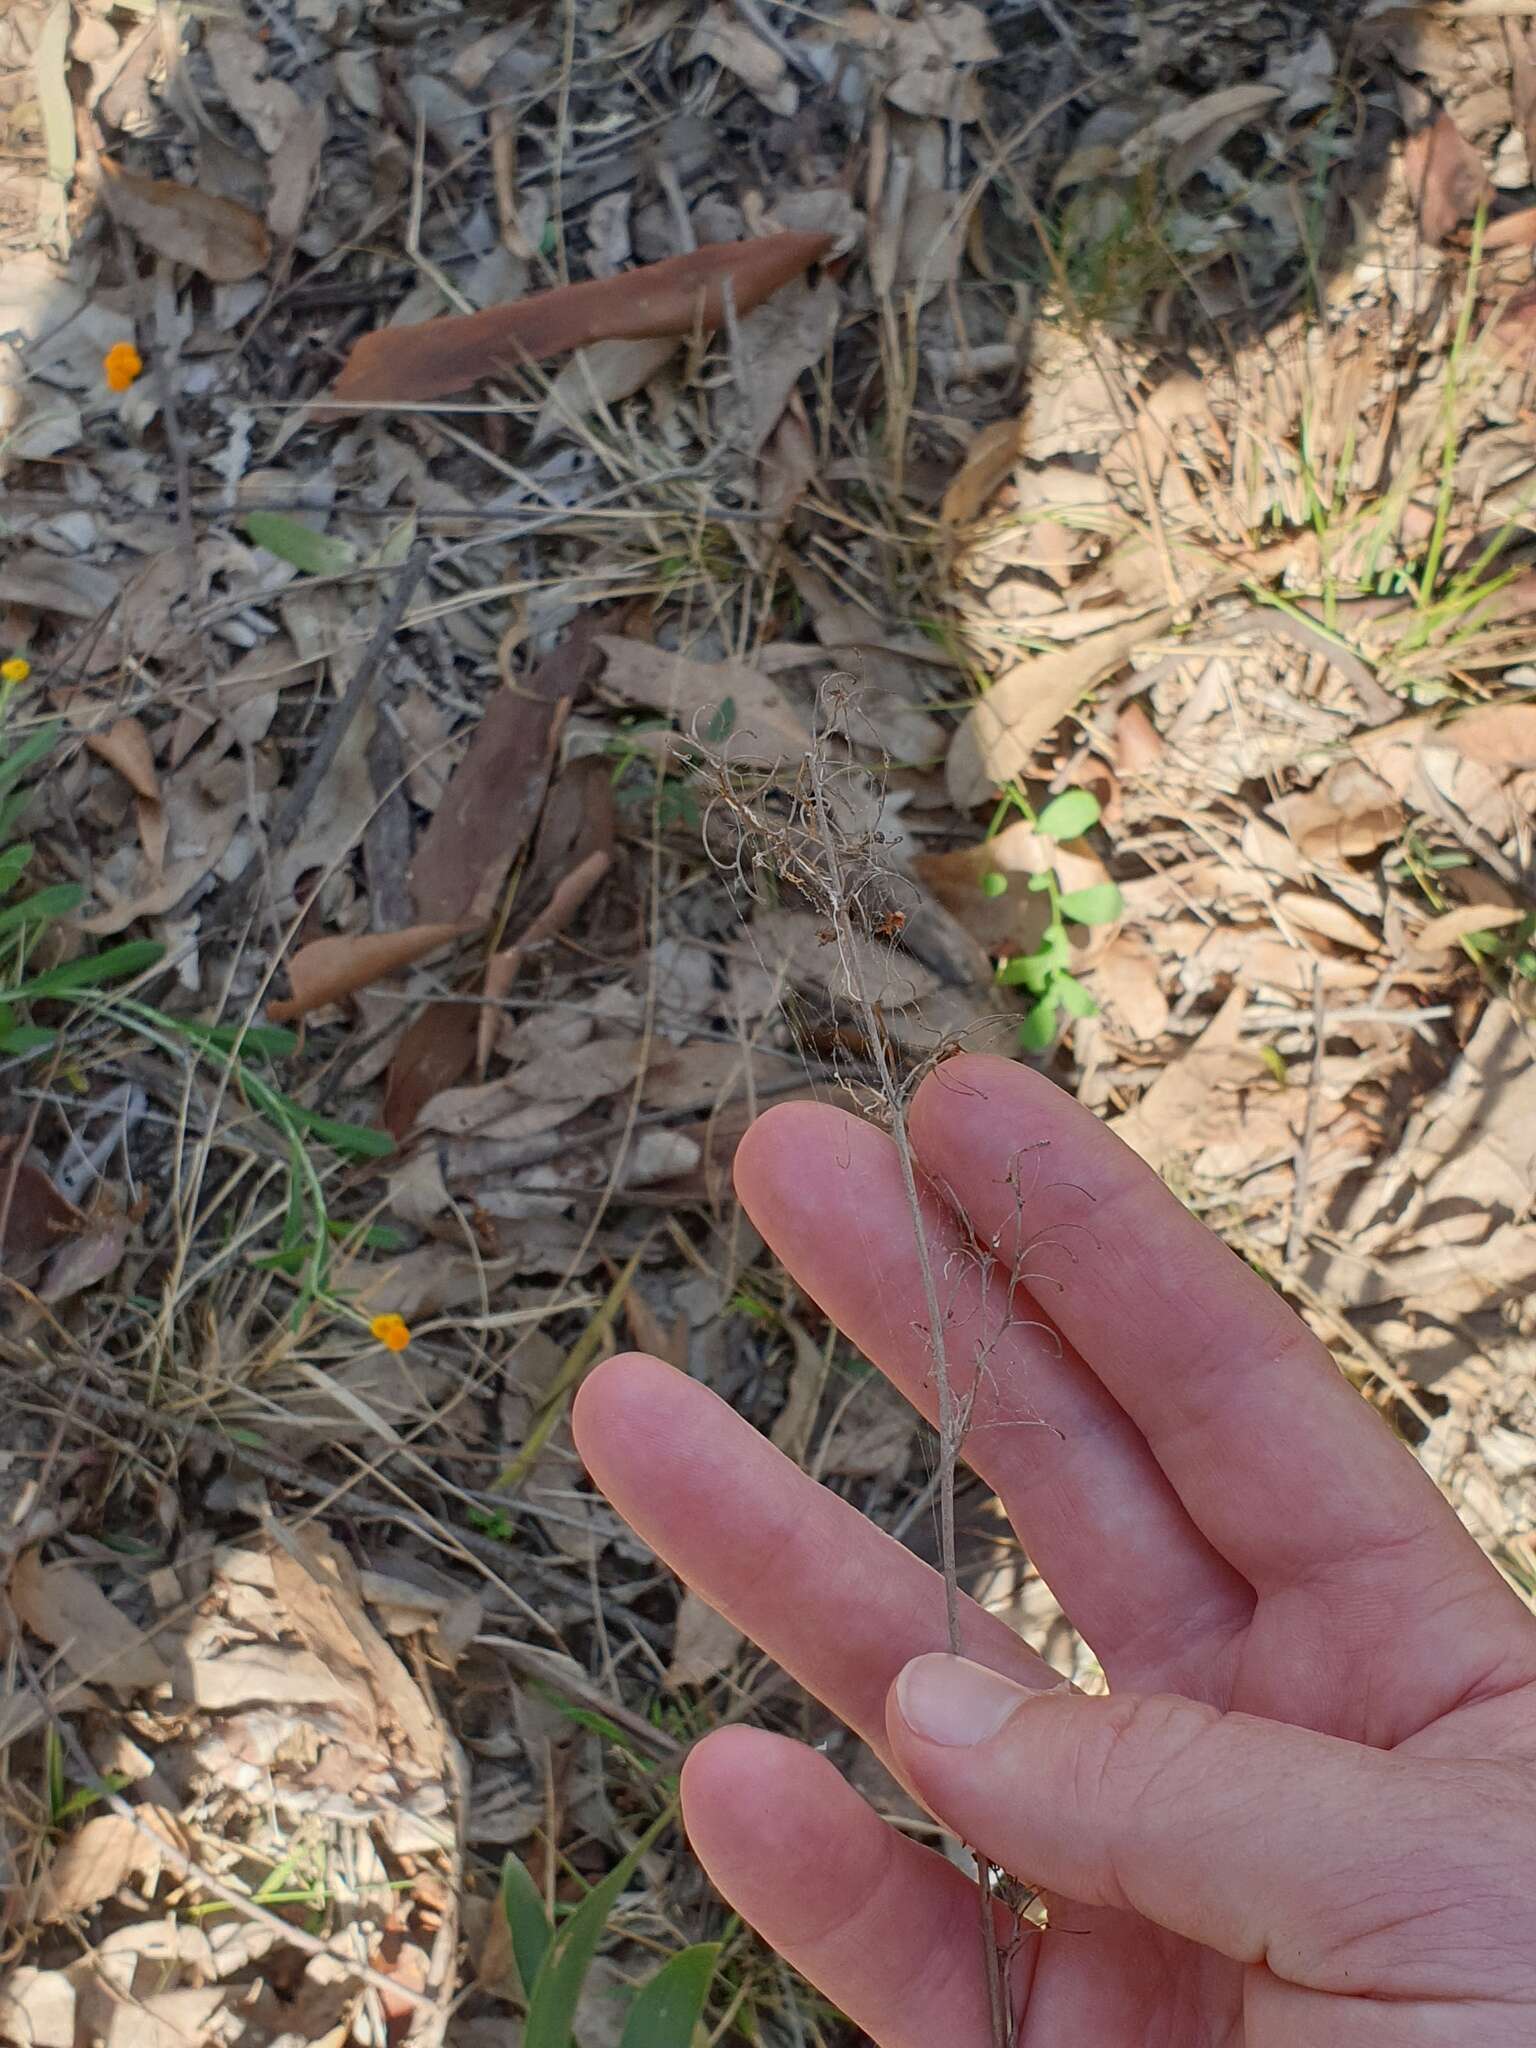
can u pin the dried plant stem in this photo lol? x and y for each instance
(953, 1414)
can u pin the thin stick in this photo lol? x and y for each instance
(953, 1414)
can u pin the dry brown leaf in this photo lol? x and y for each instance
(786, 466)
(791, 943)
(927, 58)
(989, 459)
(1183, 141)
(35, 1218)
(1350, 812)
(1328, 918)
(760, 728)
(316, 1584)
(223, 241)
(1028, 700)
(651, 1333)
(555, 1084)
(1127, 983)
(493, 798)
(1441, 933)
(1446, 178)
(724, 36)
(99, 1857)
(604, 374)
(704, 1643)
(680, 296)
(1498, 735)
(328, 969)
(125, 747)
(63, 1606)
(91, 1257)
(502, 969)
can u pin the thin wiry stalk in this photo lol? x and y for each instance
(952, 1413)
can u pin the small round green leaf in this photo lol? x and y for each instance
(1039, 883)
(1101, 903)
(1039, 1027)
(1075, 999)
(1070, 814)
(994, 884)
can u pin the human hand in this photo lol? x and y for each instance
(1305, 1817)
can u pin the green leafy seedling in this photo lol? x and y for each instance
(1046, 972)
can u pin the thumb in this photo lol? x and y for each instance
(1250, 1836)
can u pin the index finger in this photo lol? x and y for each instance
(1290, 1474)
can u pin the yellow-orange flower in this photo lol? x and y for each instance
(390, 1331)
(121, 364)
(15, 671)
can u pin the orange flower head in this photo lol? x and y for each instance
(390, 1331)
(121, 365)
(15, 671)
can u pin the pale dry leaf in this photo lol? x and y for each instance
(540, 1095)
(724, 37)
(98, 1858)
(63, 1606)
(38, 2007)
(125, 747)
(1186, 139)
(704, 1643)
(220, 239)
(1028, 700)
(1498, 735)
(1447, 930)
(1328, 918)
(780, 341)
(316, 1583)
(603, 375)
(1349, 812)
(326, 970)
(928, 59)
(1128, 985)
(728, 705)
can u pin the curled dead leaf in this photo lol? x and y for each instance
(1498, 735)
(328, 969)
(679, 296)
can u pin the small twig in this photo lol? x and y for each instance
(1303, 1168)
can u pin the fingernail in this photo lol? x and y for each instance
(952, 1701)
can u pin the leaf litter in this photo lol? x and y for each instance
(1040, 391)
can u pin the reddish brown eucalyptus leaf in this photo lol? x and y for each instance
(437, 1050)
(1446, 177)
(328, 969)
(409, 365)
(501, 971)
(482, 823)
(494, 796)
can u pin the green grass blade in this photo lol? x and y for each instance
(669, 2007)
(523, 1910)
(552, 2008)
(43, 906)
(93, 970)
(25, 757)
(13, 862)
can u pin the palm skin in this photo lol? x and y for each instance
(1306, 1815)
